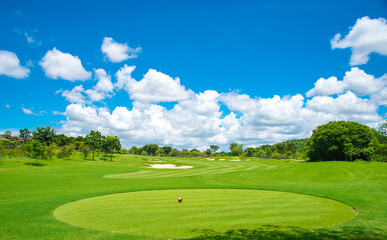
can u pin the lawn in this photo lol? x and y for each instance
(109, 200)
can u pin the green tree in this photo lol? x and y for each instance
(111, 143)
(34, 149)
(214, 148)
(160, 152)
(236, 149)
(85, 149)
(250, 152)
(133, 150)
(167, 149)
(7, 134)
(151, 149)
(341, 141)
(45, 135)
(62, 140)
(66, 151)
(25, 133)
(94, 140)
(5, 147)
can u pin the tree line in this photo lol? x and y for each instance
(334, 141)
(44, 143)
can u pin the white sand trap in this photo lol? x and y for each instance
(222, 159)
(235, 160)
(169, 166)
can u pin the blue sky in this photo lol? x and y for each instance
(231, 58)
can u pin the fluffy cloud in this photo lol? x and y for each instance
(118, 52)
(10, 65)
(199, 119)
(362, 83)
(75, 95)
(57, 64)
(328, 86)
(154, 87)
(356, 80)
(365, 37)
(104, 88)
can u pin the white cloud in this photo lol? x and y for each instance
(118, 52)
(356, 80)
(7, 106)
(103, 89)
(380, 98)
(196, 120)
(30, 112)
(59, 113)
(10, 65)
(75, 95)
(347, 103)
(328, 86)
(30, 39)
(57, 64)
(365, 37)
(362, 83)
(154, 87)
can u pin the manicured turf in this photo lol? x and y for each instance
(158, 213)
(30, 194)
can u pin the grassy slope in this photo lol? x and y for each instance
(29, 194)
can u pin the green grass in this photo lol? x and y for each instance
(30, 194)
(158, 213)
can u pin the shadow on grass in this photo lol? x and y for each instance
(35, 164)
(293, 233)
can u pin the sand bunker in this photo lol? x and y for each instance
(222, 159)
(235, 160)
(169, 166)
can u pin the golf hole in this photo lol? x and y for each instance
(157, 213)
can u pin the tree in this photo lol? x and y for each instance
(25, 133)
(34, 149)
(7, 134)
(151, 149)
(45, 135)
(5, 147)
(341, 141)
(85, 150)
(160, 152)
(214, 148)
(62, 140)
(236, 149)
(94, 140)
(167, 149)
(133, 150)
(250, 151)
(208, 152)
(111, 143)
(66, 151)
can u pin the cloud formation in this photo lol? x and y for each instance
(154, 87)
(356, 80)
(365, 37)
(118, 52)
(57, 64)
(198, 120)
(10, 65)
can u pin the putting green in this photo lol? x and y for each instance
(158, 213)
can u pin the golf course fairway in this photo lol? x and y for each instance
(158, 213)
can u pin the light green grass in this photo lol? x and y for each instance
(158, 213)
(30, 194)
